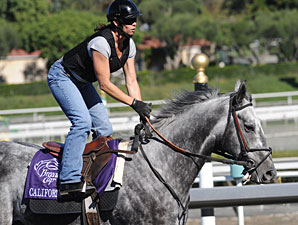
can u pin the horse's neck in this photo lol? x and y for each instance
(190, 133)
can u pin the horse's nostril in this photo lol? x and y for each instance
(269, 175)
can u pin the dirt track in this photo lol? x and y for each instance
(273, 219)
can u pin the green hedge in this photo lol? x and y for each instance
(233, 71)
(35, 88)
(263, 73)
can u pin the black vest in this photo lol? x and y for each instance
(79, 61)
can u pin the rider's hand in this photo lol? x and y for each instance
(142, 108)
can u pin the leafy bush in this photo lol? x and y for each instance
(31, 89)
(236, 71)
(264, 77)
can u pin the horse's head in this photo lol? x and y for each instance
(244, 139)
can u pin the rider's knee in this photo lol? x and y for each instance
(83, 124)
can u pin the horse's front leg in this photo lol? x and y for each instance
(6, 206)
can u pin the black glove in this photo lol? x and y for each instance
(142, 108)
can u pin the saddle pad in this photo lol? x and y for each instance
(44, 206)
(108, 199)
(43, 173)
(42, 177)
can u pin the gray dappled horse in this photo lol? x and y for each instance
(200, 122)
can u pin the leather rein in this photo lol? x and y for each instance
(242, 159)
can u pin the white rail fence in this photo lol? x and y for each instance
(60, 128)
(208, 197)
(288, 95)
(51, 129)
(244, 195)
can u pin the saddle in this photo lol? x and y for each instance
(95, 156)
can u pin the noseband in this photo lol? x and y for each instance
(243, 156)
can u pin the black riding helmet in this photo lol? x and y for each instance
(122, 11)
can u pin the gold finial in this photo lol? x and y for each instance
(200, 62)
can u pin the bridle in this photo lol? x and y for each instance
(243, 156)
(242, 159)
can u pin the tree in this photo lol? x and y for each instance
(274, 5)
(98, 6)
(3, 9)
(9, 38)
(59, 32)
(279, 28)
(152, 10)
(171, 21)
(242, 33)
(23, 10)
(252, 7)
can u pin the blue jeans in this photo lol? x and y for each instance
(84, 108)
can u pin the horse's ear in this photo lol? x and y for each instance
(237, 85)
(241, 90)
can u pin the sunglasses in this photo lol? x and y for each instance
(129, 21)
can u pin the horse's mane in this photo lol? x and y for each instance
(183, 101)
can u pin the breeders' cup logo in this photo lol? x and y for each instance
(47, 170)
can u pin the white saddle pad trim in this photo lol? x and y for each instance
(117, 179)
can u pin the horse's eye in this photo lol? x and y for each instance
(249, 127)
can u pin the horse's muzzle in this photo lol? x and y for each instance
(269, 176)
